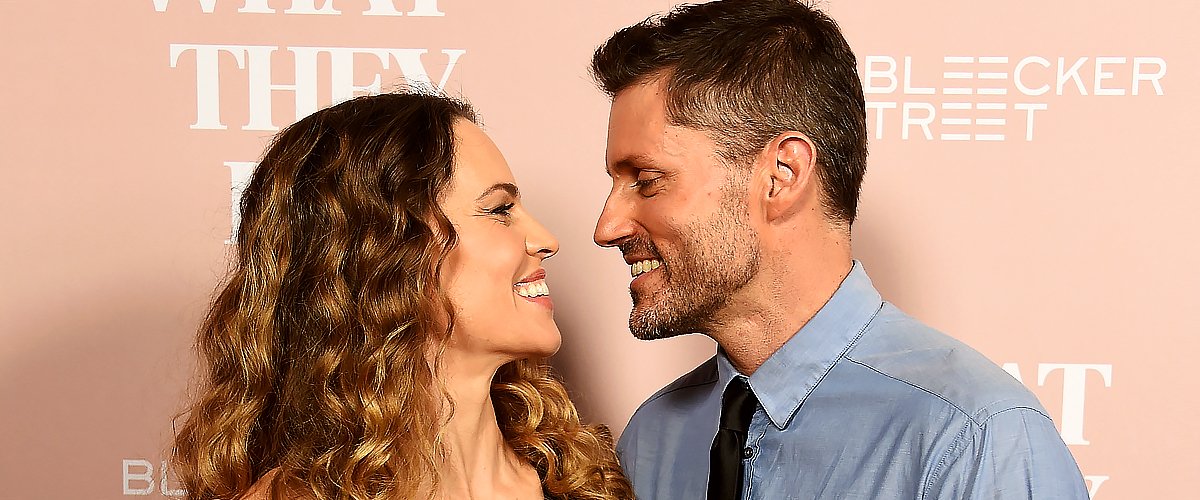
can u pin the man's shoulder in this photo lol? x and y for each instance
(668, 420)
(684, 388)
(677, 401)
(898, 347)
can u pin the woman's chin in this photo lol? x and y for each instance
(545, 345)
(530, 344)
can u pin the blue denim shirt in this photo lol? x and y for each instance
(864, 402)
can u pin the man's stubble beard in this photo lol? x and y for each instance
(716, 259)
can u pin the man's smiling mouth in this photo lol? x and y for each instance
(643, 266)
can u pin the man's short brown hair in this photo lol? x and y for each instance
(747, 70)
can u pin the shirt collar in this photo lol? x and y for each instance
(789, 375)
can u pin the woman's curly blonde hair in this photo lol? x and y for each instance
(316, 349)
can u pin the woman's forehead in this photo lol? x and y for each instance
(478, 163)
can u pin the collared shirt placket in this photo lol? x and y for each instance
(758, 429)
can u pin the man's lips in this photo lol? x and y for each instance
(630, 258)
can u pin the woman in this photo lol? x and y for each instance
(383, 331)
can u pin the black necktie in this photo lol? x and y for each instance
(725, 463)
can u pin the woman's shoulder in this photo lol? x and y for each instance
(264, 486)
(261, 489)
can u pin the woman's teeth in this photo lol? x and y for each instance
(644, 266)
(532, 289)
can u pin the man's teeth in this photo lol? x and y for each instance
(533, 289)
(644, 266)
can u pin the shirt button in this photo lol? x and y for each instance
(746, 452)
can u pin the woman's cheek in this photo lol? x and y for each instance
(493, 259)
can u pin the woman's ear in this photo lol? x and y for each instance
(790, 181)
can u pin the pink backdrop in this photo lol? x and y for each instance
(1030, 192)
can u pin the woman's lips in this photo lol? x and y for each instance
(539, 274)
(534, 288)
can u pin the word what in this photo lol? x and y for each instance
(420, 8)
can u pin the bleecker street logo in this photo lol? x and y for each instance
(138, 478)
(992, 98)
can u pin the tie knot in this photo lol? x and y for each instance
(738, 405)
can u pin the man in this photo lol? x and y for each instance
(736, 147)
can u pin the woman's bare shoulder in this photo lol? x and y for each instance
(261, 490)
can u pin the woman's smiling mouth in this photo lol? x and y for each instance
(534, 289)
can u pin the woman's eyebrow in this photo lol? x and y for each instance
(507, 187)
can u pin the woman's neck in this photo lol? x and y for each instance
(480, 464)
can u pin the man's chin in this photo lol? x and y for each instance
(653, 333)
(644, 325)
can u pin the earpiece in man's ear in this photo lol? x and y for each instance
(785, 170)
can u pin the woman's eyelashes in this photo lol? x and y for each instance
(503, 212)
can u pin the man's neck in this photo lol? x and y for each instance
(776, 305)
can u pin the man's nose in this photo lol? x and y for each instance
(615, 222)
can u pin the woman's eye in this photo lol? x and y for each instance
(504, 210)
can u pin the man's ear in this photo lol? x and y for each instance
(790, 179)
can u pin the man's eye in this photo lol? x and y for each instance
(647, 184)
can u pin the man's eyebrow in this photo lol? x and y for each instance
(507, 187)
(635, 162)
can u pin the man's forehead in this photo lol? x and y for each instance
(645, 99)
(669, 148)
(636, 123)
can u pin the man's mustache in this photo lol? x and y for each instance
(640, 246)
